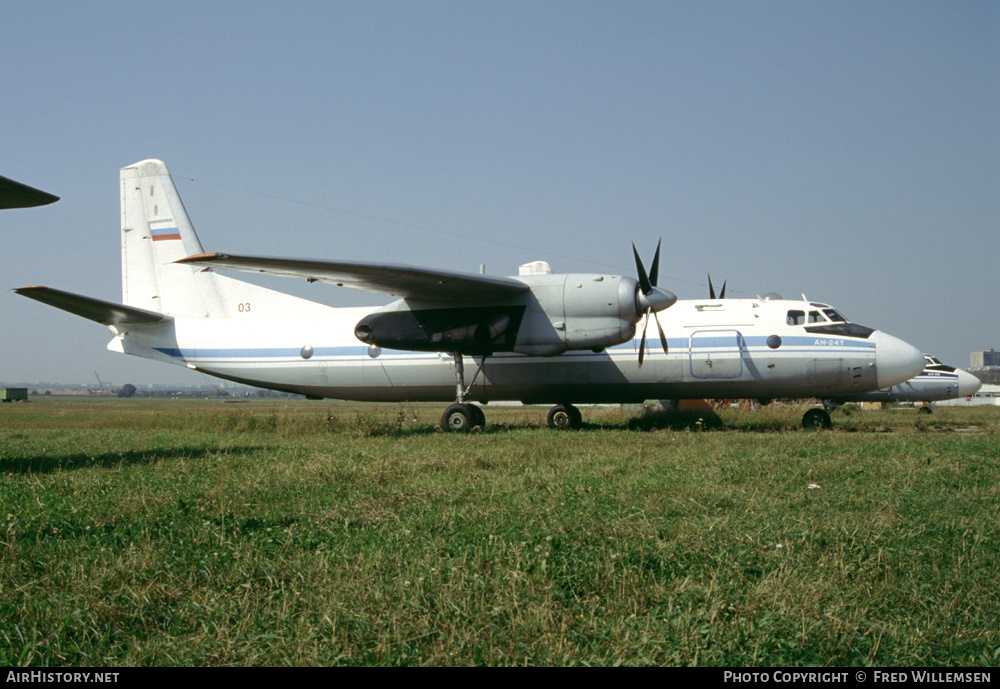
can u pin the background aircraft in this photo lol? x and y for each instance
(935, 383)
(540, 337)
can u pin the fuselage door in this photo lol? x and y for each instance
(716, 354)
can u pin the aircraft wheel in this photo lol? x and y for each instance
(575, 413)
(563, 416)
(478, 417)
(925, 410)
(457, 417)
(816, 418)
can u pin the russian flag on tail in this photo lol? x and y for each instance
(165, 234)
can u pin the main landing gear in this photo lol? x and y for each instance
(463, 416)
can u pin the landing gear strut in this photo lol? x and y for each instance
(463, 416)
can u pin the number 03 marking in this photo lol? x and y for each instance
(244, 307)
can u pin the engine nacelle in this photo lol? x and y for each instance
(578, 312)
(473, 331)
(560, 313)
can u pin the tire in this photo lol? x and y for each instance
(478, 417)
(816, 418)
(457, 417)
(564, 417)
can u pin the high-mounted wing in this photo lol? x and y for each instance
(394, 280)
(104, 312)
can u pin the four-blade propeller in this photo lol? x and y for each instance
(649, 300)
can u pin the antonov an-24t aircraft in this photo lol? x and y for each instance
(539, 337)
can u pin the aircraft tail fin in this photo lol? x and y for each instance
(156, 232)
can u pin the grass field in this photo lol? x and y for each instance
(158, 532)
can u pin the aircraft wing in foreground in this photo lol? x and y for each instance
(16, 195)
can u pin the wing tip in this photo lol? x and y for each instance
(195, 258)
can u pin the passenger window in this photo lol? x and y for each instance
(796, 317)
(814, 317)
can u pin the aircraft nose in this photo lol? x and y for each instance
(895, 361)
(968, 384)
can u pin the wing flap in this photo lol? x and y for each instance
(395, 280)
(104, 312)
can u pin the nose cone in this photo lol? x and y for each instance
(895, 361)
(968, 384)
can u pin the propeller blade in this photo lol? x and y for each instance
(649, 299)
(644, 283)
(711, 289)
(663, 337)
(654, 270)
(642, 343)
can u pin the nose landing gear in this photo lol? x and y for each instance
(816, 418)
(819, 418)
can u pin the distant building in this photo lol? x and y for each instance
(13, 394)
(987, 357)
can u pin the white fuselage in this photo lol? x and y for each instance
(717, 348)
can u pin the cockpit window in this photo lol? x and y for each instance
(796, 317)
(815, 317)
(935, 364)
(834, 316)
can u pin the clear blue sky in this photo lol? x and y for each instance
(846, 150)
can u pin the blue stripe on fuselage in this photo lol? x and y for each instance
(675, 346)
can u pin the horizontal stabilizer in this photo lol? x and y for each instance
(104, 312)
(395, 280)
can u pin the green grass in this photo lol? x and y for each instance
(154, 532)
